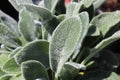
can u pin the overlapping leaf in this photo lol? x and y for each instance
(64, 41)
(26, 25)
(35, 50)
(34, 70)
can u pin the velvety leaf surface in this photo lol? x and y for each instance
(9, 22)
(106, 21)
(7, 37)
(49, 21)
(87, 3)
(15, 5)
(64, 41)
(35, 50)
(26, 25)
(34, 70)
(74, 68)
(17, 77)
(1, 73)
(72, 9)
(50, 4)
(3, 59)
(11, 66)
(85, 23)
(5, 77)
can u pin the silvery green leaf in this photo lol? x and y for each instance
(85, 24)
(64, 40)
(87, 3)
(34, 70)
(48, 20)
(26, 25)
(3, 59)
(15, 5)
(7, 37)
(50, 4)
(5, 77)
(35, 50)
(9, 22)
(2, 73)
(101, 45)
(73, 9)
(20, 77)
(113, 76)
(12, 54)
(74, 68)
(98, 3)
(11, 66)
(106, 21)
(19, 4)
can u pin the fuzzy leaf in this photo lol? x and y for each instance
(19, 2)
(20, 77)
(113, 76)
(3, 59)
(7, 37)
(34, 70)
(102, 44)
(6, 77)
(64, 41)
(49, 21)
(98, 3)
(9, 22)
(35, 50)
(2, 73)
(12, 54)
(11, 66)
(106, 21)
(74, 68)
(87, 3)
(15, 5)
(50, 4)
(26, 25)
(73, 9)
(85, 23)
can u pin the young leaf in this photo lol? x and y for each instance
(106, 21)
(7, 37)
(11, 66)
(87, 3)
(35, 50)
(64, 40)
(26, 25)
(9, 22)
(73, 9)
(49, 21)
(50, 4)
(101, 45)
(34, 70)
(85, 23)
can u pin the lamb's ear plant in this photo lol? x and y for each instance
(49, 44)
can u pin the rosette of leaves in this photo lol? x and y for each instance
(52, 41)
